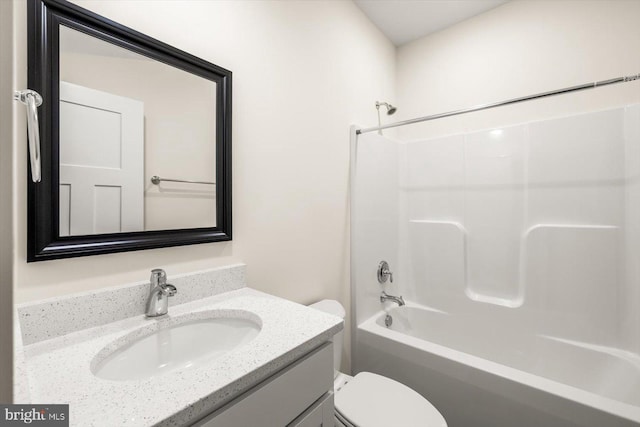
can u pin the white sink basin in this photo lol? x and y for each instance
(169, 345)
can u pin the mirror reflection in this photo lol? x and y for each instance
(137, 141)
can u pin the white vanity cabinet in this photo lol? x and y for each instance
(300, 395)
(320, 414)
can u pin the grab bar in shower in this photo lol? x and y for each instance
(157, 180)
(32, 100)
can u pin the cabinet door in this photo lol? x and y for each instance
(282, 398)
(320, 414)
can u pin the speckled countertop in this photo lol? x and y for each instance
(58, 370)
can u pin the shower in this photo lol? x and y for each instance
(513, 240)
(390, 110)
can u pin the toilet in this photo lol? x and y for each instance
(371, 400)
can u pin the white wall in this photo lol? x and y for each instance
(303, 72)
(518, 49)
(6, 195)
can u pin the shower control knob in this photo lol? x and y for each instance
(384, 273)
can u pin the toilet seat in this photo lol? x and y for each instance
(371, 400)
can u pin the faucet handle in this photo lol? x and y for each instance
(170, 290)
(388, 273)
(384, 272)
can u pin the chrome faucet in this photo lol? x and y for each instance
(386, 297)
(159, 293)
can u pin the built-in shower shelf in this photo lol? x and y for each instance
(571, 264)
(569, 226)
(496, 300)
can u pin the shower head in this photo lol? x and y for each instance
(390, 108)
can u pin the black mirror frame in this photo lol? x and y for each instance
(43, 236)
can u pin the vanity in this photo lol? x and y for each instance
(224, 356)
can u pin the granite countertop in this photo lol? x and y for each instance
(58, 370)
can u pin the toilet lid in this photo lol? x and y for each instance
(371, 400)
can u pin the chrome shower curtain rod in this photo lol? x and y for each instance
(500, 104)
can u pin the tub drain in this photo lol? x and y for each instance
(388, 320)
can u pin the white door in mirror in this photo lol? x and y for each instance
(101, 162)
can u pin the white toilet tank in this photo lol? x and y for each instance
(331, 306)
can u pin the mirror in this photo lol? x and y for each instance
(125, 119)
(135, 139)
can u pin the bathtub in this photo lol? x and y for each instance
(482, 374)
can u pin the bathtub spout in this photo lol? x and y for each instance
(386, 297)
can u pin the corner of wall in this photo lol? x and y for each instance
(6, 209)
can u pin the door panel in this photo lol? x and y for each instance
(101, 162)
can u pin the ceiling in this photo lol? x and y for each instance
(405, 20)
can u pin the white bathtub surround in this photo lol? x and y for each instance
(58, 370)
(525, 239)
(530, 216)
(54, 317)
